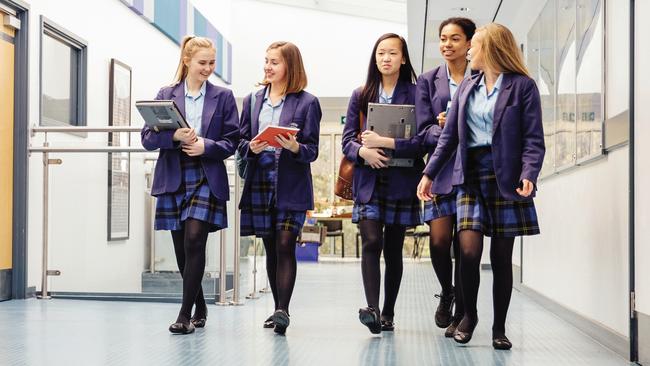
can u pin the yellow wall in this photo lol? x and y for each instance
(6, 147)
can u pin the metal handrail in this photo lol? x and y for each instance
(46, 150)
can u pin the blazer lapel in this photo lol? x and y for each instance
(502, 101)
(209, 106)
(400, 94)
(442, 87)
(288, 109)
(255, 122)
(178, 96)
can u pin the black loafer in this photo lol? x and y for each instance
(182, 328)
(464, 336)
(281, 320)
(198, 323)
(501, 342)
(451, 329)
(268, 323)
(387, 325)
(370, 318)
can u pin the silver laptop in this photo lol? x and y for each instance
(161, 114)
(395, 121)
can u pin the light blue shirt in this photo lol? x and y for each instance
(480, 113)
(194, 108)
(383, 97)
(452, 84)
(270, 114)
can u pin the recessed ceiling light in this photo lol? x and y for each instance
(461, 8)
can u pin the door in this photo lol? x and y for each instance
(7, 55)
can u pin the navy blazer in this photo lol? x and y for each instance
(517, 137)
(431, 97)
(220, 132)
(295, 189)
(402, 182)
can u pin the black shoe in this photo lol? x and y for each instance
(198, 320)
(501, 342)
(182, 328)
(281, 320)
(387, 325)
(465, 335)
(443, 312)
(451, 329)
(268, 323)
(370, 318)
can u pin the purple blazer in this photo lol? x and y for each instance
(402, 182)
(431, 97)
(295, 189)
(517, 139)
(220, 133)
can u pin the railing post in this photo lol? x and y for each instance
(222, 269)
(235, 278)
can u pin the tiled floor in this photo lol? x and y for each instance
(324, 330)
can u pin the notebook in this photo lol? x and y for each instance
(269, 133)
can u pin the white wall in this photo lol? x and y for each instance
(78, 189)
(642, 155)
(335, 48)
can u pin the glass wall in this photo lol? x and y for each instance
(565, 57)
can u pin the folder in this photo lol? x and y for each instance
(269, 133)
(161, 115)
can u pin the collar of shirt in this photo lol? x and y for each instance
(495, 88)
(468, 72)
(267, 98)
(383, 97)
(201, 91)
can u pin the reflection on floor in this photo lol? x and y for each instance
(324, 330)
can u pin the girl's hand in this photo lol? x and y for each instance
(257, 147)
(290, 143)
(195, 149)
(186, 136)
(442, 119)
(375, 157)
(527, 188)
(424, 189)
(372, 140)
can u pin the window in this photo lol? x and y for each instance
(63, 76)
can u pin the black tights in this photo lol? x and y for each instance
(189, 245)
(471, 245)
(440, 243)
(281, 267)
(373, 242)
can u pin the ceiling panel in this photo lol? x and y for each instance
(387, 10)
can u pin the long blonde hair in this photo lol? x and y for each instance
(189, 46)
(296, 75)
(500, 50)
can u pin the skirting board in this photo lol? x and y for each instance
(601, 334)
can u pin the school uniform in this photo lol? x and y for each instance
(194, 187)
(435, 89)
(278, 188)
(387, 195)
(499, 141)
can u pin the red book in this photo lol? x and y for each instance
(269, 133)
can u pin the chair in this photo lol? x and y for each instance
(335, 229)
(419, 239)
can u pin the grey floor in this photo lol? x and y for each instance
(324, 330)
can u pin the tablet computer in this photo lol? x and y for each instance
(161, 115)
(395, 121)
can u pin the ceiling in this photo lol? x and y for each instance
(386, 10)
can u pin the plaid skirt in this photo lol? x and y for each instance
(192, 200)
(404, 212)
(481, 207)
(260, 217)
(440, 206)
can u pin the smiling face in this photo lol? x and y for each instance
(389, 57)
(453, 42)
(275, 68)
(201, 65)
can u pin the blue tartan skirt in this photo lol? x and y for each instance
(480, 206)
(260, 216)
(404, 212)
(192, 200)
(440, 206)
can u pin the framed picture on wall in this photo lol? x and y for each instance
(119, 114)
